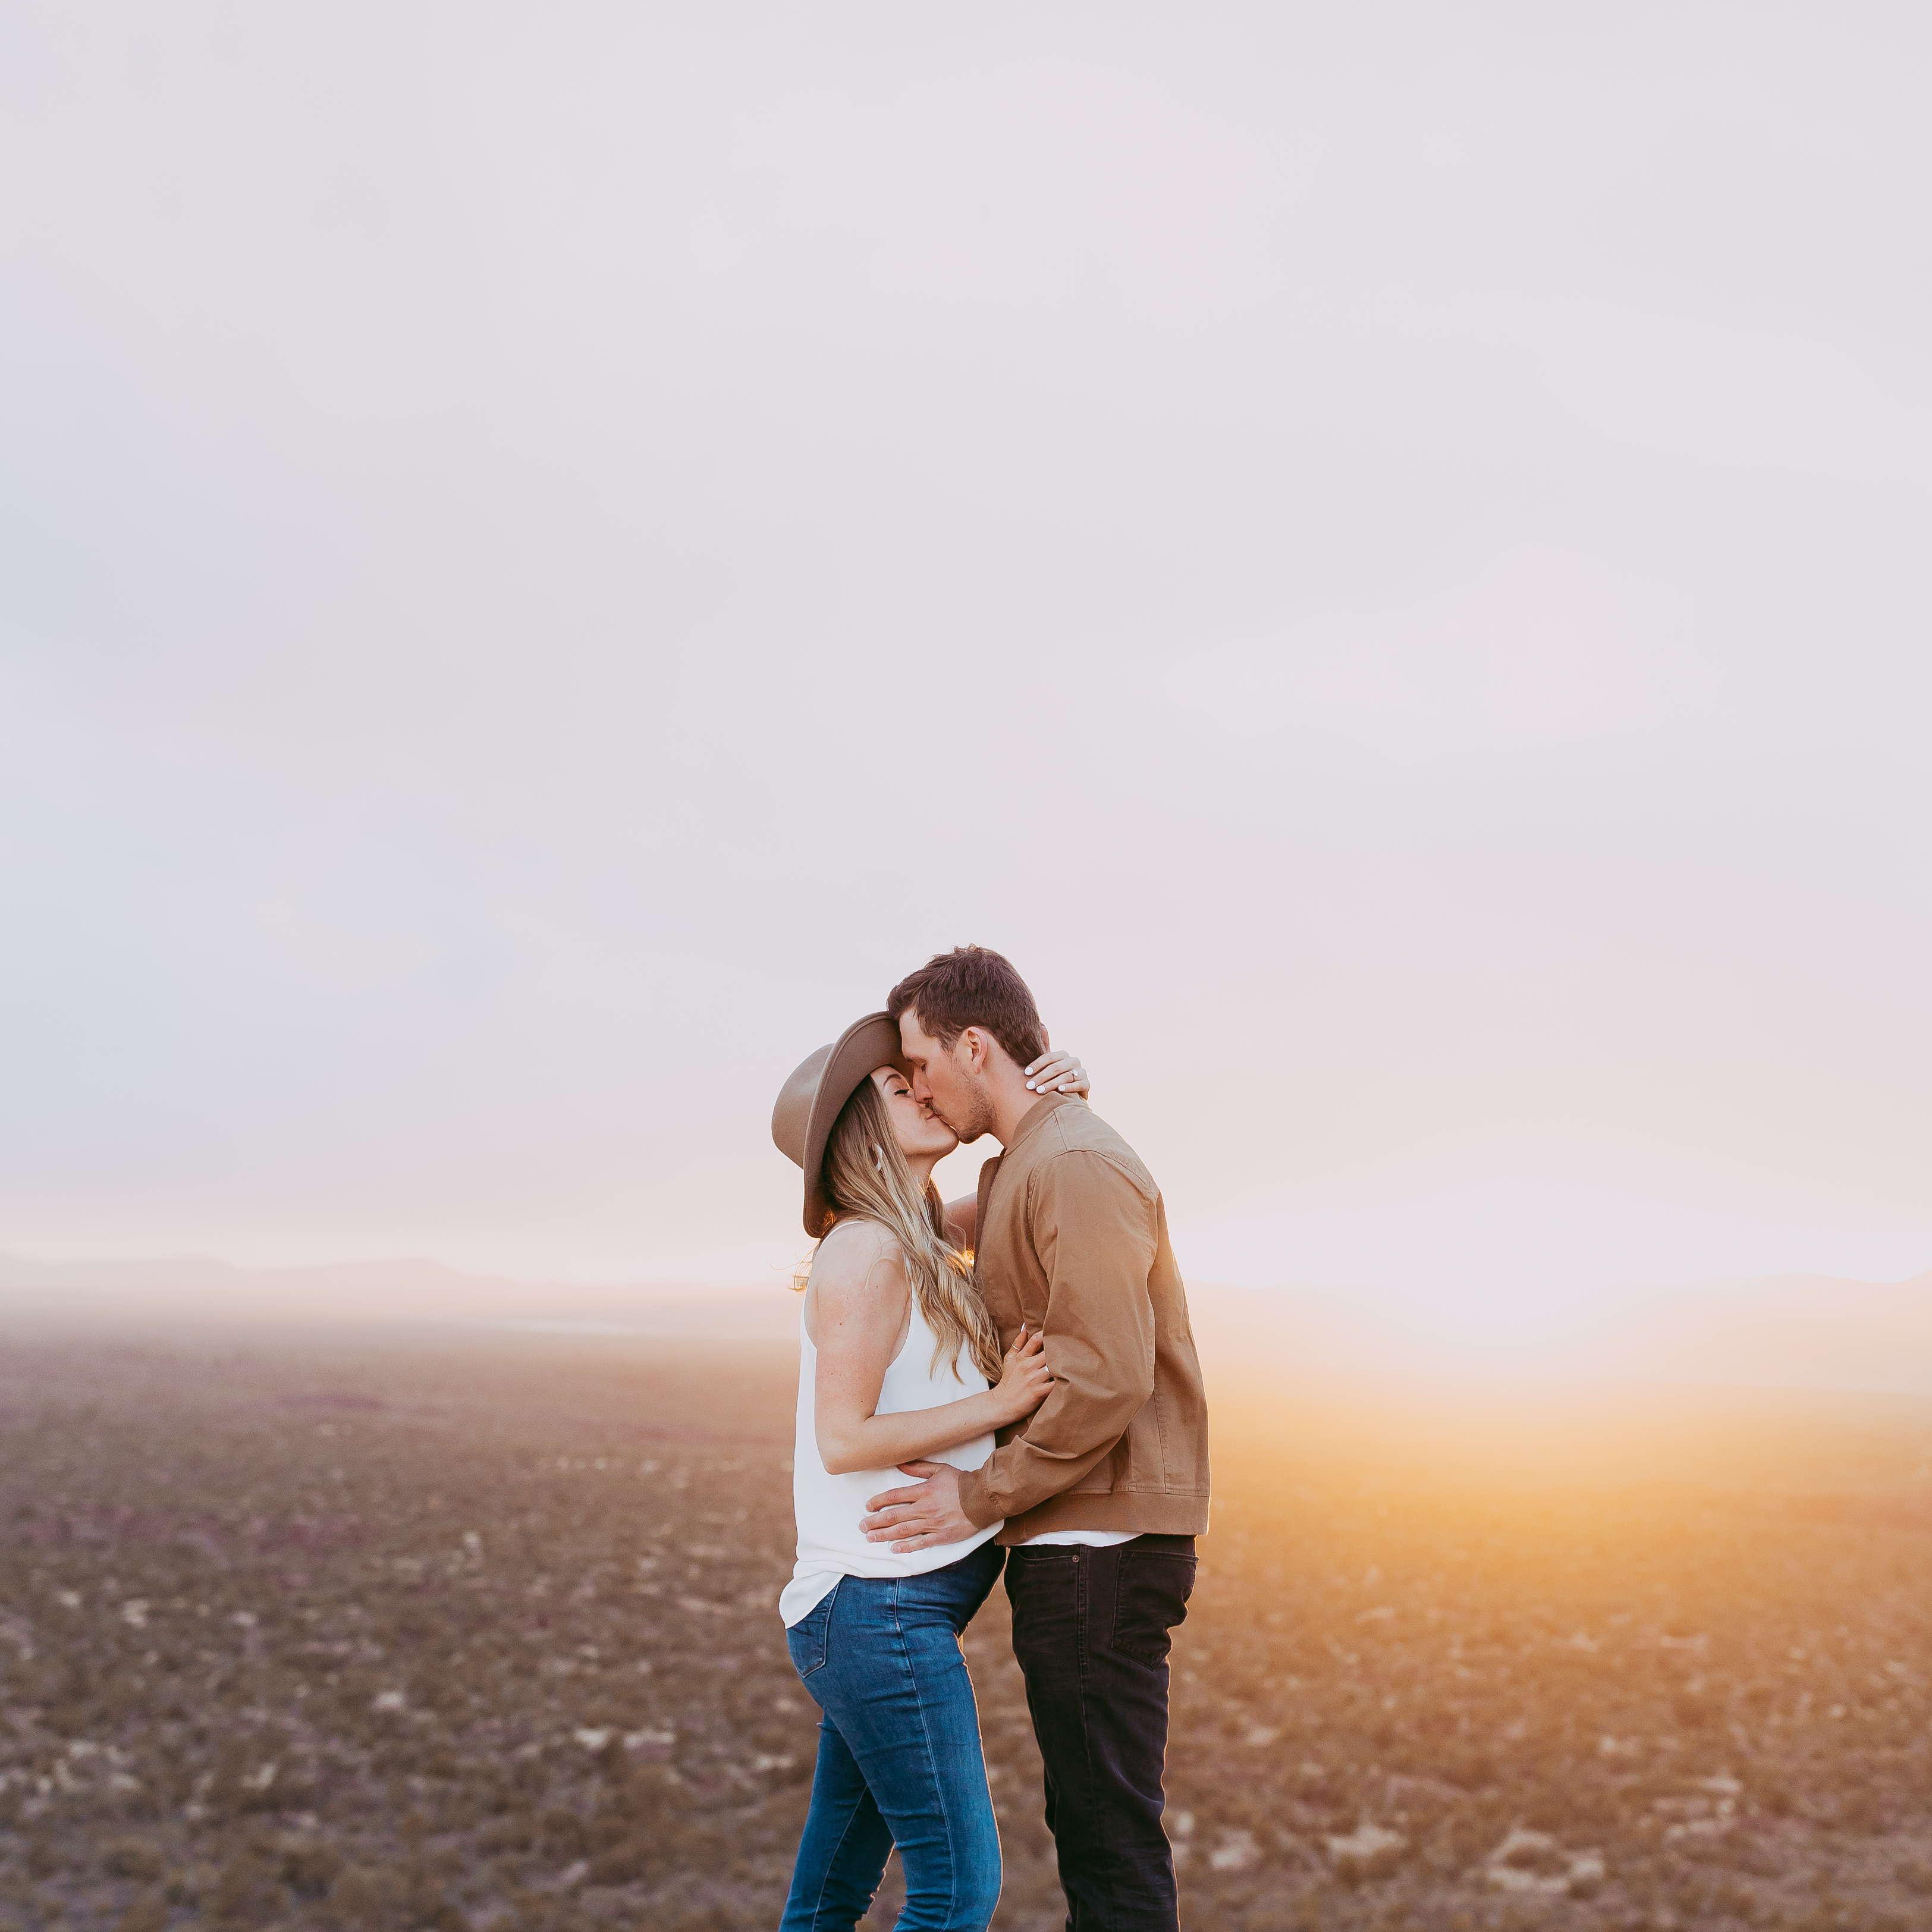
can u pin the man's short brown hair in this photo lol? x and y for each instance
(972, 986)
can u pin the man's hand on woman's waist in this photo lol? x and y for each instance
(926, 1514)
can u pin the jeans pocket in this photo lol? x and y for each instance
(809, 1638)
(1047, 1589)
(1150, 1602)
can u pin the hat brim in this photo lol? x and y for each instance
(865, 1045)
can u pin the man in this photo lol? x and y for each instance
(1104, 1487)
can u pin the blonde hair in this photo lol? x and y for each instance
(867, 1179)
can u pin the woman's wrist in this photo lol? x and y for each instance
(994, 1410)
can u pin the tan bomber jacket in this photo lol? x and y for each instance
(1072, 1237)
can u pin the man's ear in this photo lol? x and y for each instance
(977, 1053)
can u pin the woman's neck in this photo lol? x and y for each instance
(922, 1170)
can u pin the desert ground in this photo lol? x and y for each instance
(435, 1631)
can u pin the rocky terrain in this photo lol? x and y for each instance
(318, 1633)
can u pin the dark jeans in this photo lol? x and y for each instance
(1091, 1630)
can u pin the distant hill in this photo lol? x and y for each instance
(196, 1290)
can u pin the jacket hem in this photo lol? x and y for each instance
(1151, 1514)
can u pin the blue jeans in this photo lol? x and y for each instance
(899, 1759)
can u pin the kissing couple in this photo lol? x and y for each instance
(1045, 1316)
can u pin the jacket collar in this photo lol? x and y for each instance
(1031, 1122)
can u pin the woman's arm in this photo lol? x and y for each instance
(859, 1291)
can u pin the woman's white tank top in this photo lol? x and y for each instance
(830, 1543)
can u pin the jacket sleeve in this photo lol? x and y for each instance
(1093, 1230)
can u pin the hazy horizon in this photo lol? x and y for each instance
(1795, 1333)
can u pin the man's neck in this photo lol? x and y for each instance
(1012, 1104)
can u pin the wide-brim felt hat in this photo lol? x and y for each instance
(819, 1086)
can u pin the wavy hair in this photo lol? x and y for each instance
(867, 1179)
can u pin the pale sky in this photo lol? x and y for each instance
(1378, 552)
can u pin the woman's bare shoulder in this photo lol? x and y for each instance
(855, 1253)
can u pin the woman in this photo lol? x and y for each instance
(898, 1362)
